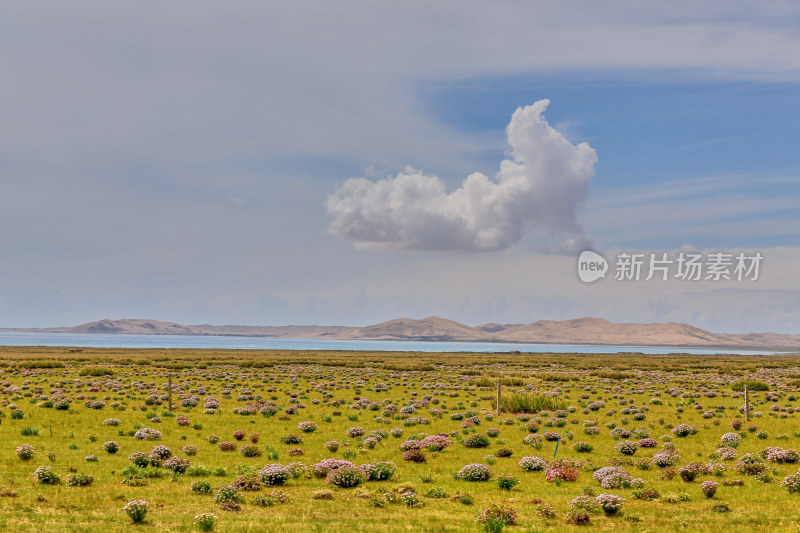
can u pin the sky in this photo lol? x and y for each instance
(352, 162)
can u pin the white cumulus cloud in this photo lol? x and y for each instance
(539, 186)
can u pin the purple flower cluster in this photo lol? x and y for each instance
(475, 472)
(322, 468)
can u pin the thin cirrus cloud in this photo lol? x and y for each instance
(540, 186)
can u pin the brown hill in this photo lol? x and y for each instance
(134, 326)
(432, 328)
(576, 331)
(599, 331)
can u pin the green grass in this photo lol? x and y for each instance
(751, 384)
(516, 402)
(441, 384)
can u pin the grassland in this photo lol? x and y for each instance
(420, 394)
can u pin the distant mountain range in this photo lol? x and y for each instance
(577, 331)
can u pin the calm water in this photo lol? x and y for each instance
(267, 343)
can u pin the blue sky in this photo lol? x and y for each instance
(650, 132)
(349, 163)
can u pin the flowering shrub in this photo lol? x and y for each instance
(298, 470)
(666, 458)
(646, 494)
(532, 464)
(201, 487)
(226, 446)
(620, 433)
(147, 434)
(332, 446)
(46, 476)
(411, 444)
(475, 472)
(189, 450)
(579, 510)
(615, 477)
(322, 468)
(609, 503)
(792, 482)
(161, 451)
(346, 476)
(226, 494)
(136, 510)
(307, 427)
(507, 481)
(435, 443)
(691, 471)
(597, 405)
(726, 453)
(140, 459)
(582, 447)
(551, 436)
(751, 465)
(779, 455)
(476, 440)
(731, 440)
(25, 452)
(414, 456)
(684, 430)
(532, 426)
(626, 447)
(206, 521)
(246, 483)
(647, 443)
(355, 431)
(112, 422)
(545, 510)
(709, 488)
(535, 441)
(292, 439)
(250, 450)
(380, 471)
(177, 464)
(505, 514)
(79, 480)
(274, 475)
(410, 498)
(111, 446)
(561, 473)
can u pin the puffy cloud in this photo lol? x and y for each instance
(539, 186)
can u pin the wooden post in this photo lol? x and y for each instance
(746, 404)
(498, 395)
(170, 393)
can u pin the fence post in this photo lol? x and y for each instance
(498, 395)
(170, 393)
(746, 404)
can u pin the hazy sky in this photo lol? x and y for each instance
(351, 162)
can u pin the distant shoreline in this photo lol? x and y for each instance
(261, 342)
(577, 332)
(422, 339)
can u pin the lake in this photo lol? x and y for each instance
(225, 342)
